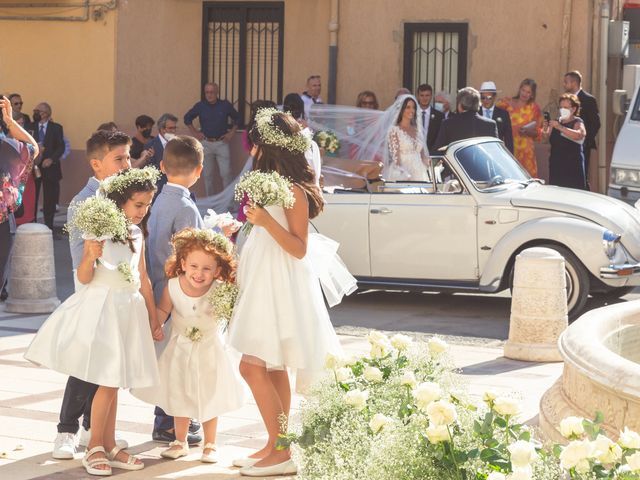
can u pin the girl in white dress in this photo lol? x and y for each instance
(103, 333)
(280, 320)
(408, 155)
(198, 378)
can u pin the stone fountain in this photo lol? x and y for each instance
(601, 353)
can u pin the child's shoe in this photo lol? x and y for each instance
(212, 456)
(174, 453)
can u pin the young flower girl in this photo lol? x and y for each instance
(103, 333)
(197, 376)
(280, 321)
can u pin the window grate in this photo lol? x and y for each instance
(435, 53)
(243, 51)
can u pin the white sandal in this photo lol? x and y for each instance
(130, 464)
(174, 453)
(90, 465)
(211, 457)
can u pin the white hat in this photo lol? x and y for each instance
(488, 87)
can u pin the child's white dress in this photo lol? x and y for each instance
(280, 316)
(198, 379)
(101, 333)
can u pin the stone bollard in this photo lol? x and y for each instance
(538, 306)
(32, 279)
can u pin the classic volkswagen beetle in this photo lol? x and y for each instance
(462, 231)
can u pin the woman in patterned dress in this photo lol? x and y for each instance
(526, 122)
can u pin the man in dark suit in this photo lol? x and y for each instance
(431, 118)
(466, 123)
(167, 126)
(488, 94)
(50, 137)
(588, 112)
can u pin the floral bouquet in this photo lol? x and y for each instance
(222, 300)
(264, 189)
(99, 219)
(401, 412)
(327, 140)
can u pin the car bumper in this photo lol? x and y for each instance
(627, 270)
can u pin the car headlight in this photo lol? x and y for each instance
(610, 242)
(625, 176)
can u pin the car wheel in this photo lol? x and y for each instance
(577, 279)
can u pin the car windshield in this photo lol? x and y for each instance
(490, 165)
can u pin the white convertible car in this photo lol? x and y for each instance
(463, 231)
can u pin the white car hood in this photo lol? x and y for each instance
(612, 214)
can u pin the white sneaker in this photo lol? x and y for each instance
(84, 437)
(64, 446)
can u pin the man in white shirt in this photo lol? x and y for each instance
(488, 109)
(428, 116)
(312, 94)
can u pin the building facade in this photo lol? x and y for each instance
(97, 61)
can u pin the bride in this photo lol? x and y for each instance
(393, 136)
(406, 145)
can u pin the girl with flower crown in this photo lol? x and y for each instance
(280, 320)
(104, 333)
(197, 377)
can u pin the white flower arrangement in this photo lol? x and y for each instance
(271, 135)
(98, 218)
(121, 181)
(125, 269)
(193, 333)
(222, 300)
(373, 425)
(264, 189)
(327, 140)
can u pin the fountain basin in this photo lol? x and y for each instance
(601, 354)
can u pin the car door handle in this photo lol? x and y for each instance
(381, 211)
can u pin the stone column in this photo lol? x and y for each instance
(32, 279)
(538, 306)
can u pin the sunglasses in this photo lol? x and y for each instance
(486, 97)
(17, 103)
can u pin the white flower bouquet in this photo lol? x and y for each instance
(98, 218)
(264, 189)
(219, 220)
(125, 269)
(327, 140)
(400, 413)
(222, 300)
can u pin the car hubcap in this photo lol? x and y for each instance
(569, 274)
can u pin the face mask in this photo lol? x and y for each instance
(36, 116)
(169, 136)
(146, 133)
(564, 113)
(439, 106)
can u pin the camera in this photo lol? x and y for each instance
(547, 116)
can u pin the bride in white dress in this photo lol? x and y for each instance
(408, 154)
(393, 136)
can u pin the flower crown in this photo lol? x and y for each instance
(219, 241)
(121, 181)
(271, 135)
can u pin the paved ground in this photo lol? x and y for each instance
(30, 397)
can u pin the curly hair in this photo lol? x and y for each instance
(191, 239)
(120, 197)
(292, 165)
(573, 100)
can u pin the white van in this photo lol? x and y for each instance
(625, 162)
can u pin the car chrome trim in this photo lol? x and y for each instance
(620, 271)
